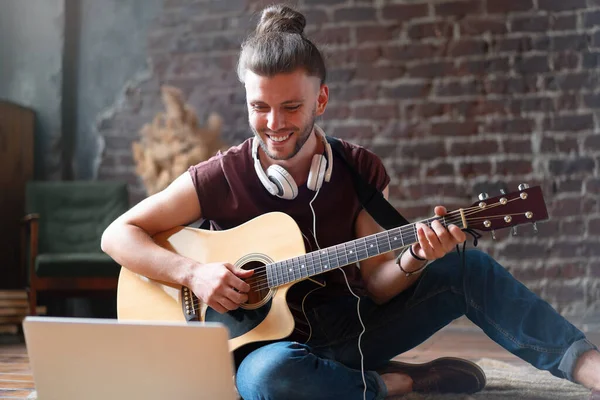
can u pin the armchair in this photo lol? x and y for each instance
(61, 236)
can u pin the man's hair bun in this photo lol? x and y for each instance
(280, 18)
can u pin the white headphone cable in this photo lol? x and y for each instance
(319, 287)
(362, 358)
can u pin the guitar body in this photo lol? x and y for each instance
(272, 246)
(266, 316)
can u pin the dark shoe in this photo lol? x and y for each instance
(444, 375)
(595, 395)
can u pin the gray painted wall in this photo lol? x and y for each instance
(69, 60)
(31, 50)
(111, 51)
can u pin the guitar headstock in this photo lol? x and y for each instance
(524, 206)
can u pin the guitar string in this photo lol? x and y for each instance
(258, 278)
(261, 283)
(455, 217)
(262, 270)
(258, 283)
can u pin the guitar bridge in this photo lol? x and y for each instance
(190, 304)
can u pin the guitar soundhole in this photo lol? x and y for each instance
(259, 288)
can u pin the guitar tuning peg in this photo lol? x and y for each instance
(535, 228)
(493, 235)
(502, 191)
(523, 186)
(483, 196)
(514, 231)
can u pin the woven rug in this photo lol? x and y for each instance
(508, 382)
(511, 382)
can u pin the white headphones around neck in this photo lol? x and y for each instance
(280, 183)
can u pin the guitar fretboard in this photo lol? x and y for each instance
(324, 260)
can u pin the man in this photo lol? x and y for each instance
(287, 167)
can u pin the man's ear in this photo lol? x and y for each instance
(322, 99)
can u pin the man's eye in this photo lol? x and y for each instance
(292, 108)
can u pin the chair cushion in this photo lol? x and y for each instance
(81, 265)
(73, 214)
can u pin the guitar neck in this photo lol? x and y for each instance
(324, 260)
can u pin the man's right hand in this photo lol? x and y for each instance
(220, 285)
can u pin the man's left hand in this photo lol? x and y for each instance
(437, 241)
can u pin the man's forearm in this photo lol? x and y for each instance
(390, 280)
(134, 249)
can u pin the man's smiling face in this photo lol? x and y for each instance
(282, 110)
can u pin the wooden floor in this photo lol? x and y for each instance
(16, 381)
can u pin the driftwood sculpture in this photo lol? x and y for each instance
(174, 141)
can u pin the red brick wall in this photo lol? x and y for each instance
(456, 97)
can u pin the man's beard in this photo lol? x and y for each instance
(304, 135)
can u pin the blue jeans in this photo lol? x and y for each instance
(329, 365)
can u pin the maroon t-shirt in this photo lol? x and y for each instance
(230, 194)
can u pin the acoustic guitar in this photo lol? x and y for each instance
(272, 245)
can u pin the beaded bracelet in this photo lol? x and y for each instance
(412, 253)
(409, 273)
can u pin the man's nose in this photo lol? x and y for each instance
(275, 121)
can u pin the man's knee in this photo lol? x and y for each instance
(270, 370)
(452, 265)
(479, 259)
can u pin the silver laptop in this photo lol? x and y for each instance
(83, 358)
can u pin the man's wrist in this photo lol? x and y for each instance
(187, 271)
(410, 265)
(416, 257)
